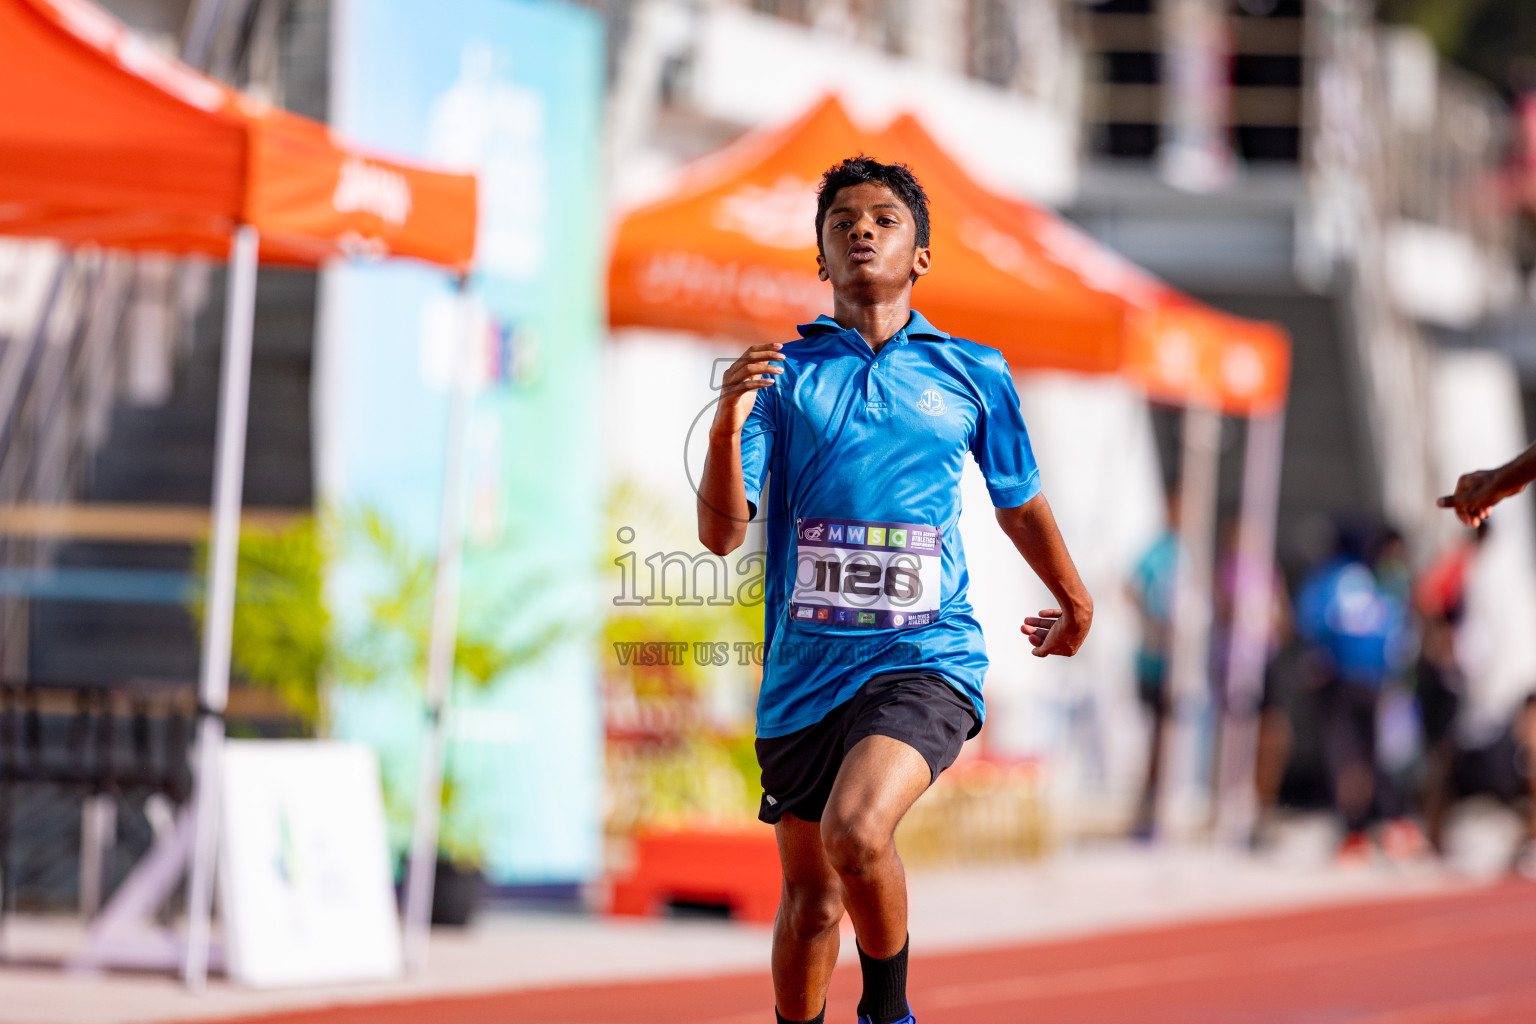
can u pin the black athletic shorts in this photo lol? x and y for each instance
(918, 708)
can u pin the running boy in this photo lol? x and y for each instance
(873, 676)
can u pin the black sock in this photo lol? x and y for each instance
(820, 1018)
(885, 986)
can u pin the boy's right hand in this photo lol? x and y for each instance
(738, 387)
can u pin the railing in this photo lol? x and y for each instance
(1127, 105)
(58, 381)
(1445, 168)
(1371, 163)
(80, 327)
(1025, 46)
(73, 759)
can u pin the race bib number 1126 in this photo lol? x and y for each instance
(850, 572)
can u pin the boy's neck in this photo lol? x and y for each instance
(877, 322)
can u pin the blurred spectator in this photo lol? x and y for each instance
(1505, 770)
(1440, 600)
(1525, 733)
(1358, 629)
(1393, 573)
(1152, 588)
(1285, 689)
(1398, 729)
(1281, 679)
(1441, 589)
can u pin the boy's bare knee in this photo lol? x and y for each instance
(854, 843)
(810, 910)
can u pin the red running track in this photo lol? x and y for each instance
(1468, 958)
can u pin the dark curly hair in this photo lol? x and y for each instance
(860, 170)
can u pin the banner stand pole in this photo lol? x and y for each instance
(421, 867)
(219, 609)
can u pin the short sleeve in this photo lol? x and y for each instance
(1000, 441)
(757, 436)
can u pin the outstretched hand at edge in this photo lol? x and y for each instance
(1476, 494)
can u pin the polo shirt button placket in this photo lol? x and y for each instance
(872, 398)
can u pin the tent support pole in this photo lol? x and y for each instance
(1236, 798)
(1180, 794)
(219, 610)
(421, 869)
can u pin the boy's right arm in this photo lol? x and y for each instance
(723, 511)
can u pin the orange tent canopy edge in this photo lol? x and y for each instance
(104, 140)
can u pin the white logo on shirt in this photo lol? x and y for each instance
(932, 402)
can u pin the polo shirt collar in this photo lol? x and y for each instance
(917, 327)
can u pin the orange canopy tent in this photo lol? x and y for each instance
(1186, 352)
(732, 251)
(1178, 349)
(105, 141)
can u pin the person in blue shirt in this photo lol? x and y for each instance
(851, 442)
(1361, 636)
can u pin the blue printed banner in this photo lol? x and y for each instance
(513, 90)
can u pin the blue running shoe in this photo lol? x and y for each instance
(908, 1019)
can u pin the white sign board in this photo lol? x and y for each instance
(305, 880)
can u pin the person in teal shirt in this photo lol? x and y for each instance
(1152, 586)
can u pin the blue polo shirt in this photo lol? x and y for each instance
(862, 455)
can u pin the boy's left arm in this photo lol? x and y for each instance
(1059, 630)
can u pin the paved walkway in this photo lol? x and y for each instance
(1076, 893)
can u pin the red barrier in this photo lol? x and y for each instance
(735, 869)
